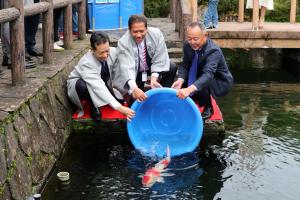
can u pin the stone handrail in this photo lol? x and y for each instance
(15, 16)
(255, 12)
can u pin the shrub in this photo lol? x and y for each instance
(157, 8)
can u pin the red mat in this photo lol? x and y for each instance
(108, 113)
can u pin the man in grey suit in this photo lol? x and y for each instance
(92, 79)
(143, 53)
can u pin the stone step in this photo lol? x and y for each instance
(170, 44)
(176, 61)
(175, 52)
(174, 44)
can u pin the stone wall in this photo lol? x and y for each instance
(32, 136)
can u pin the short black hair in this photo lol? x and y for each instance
(196, 24)
(137, 19)
(98, 38)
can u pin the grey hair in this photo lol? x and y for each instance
(197, 24)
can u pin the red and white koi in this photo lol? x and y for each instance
(156, 173)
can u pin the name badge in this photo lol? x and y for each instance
(144, 76)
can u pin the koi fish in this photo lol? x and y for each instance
(156, 173)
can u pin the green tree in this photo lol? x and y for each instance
(155, 8)
(281, 12)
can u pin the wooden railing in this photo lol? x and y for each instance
(255, 12)
(15, 16)
(182, 12)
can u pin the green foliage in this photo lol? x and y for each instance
(155, 8)
(281, 12)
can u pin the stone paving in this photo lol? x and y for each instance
(12, 97)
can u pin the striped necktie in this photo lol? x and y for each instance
(143, 57)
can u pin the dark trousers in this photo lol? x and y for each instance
(203, 97)
(56, 14)
(31, 27)
(166, 79)
(83, 92)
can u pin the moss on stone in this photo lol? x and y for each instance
(2, 129)
(29, 160)
(11, 170)
(1, 189)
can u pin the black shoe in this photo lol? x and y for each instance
(207, 112)
(28, 65)
(95, 114)
(34, 52)
(210, 27)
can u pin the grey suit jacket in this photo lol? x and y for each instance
(129, 59)
(89, 69)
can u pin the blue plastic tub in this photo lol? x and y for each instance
(112, 14)
(163, 119)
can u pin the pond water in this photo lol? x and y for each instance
(257, 158)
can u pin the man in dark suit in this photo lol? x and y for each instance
(204, 71)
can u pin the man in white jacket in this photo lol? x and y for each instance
(93, 78)
(142, 52)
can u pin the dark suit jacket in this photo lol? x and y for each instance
(212, 69)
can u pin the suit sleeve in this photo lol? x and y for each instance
(209, 69)
(160, 60)
(96, 86)
(126, 65)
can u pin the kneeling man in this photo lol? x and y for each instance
(204, 71)
(93, 77)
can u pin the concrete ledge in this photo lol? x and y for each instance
(34, 124)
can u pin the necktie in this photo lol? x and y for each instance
(143, 57)
(193, 70)
(105, 72)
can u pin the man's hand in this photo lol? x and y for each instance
(126, 111)
(185, 92)
(154, 83)
(177, 84)
(138, 94)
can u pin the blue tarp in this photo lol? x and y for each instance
(112, 14)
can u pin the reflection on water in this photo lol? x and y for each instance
(262, 146)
